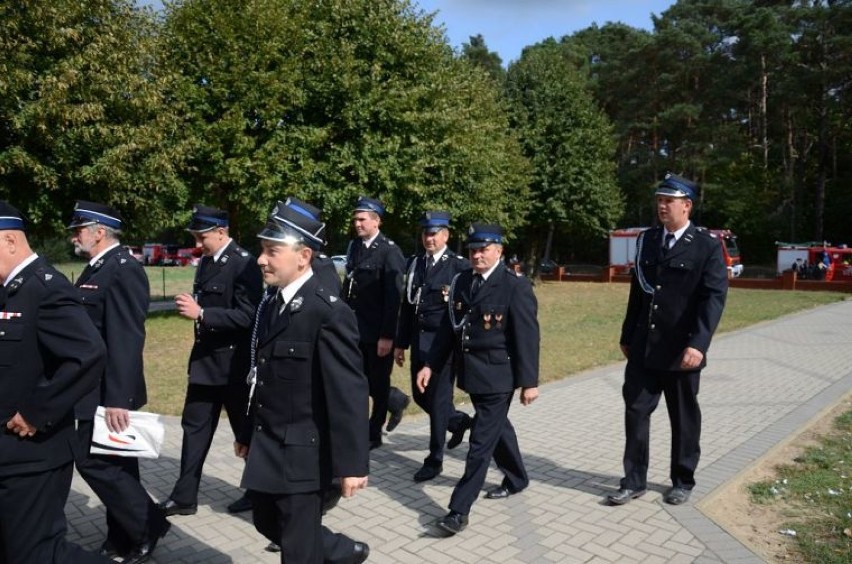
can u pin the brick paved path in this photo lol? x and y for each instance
(763, 384)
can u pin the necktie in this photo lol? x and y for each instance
(276, 307)
(476, 284)
(667, 243)
(430, 262)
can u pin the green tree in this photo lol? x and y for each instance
(82, 114)
(331, 99)
(569, 142)
(476, 52)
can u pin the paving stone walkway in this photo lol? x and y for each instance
(763, 384)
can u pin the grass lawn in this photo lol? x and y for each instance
(815, 494)
(166, 281)
(580, 326)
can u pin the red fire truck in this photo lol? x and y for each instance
(815, 260)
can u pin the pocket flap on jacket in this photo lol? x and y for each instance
(291, 349)
(11, 331)
(301, 436)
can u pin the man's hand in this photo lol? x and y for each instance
(528, 395)
(399, 356)
(18, 425)
(240, 450)
(691, 358)
(187, 306)
(384, 347)
(117, 419)
(423, 377)
(349, 486)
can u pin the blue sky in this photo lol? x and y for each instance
(510, 25)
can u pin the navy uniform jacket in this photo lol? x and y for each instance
(373, 286)
(497, 340)
(50, 357)
(420, 321)
(310, 408)
(116, 295)
(675, 302)
(228, 290)
(325, 270)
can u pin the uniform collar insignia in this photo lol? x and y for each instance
(98, 263)
(224, 259)
(296, 304)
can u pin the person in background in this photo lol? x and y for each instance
(372, 288)
(422, 314)
(226, 291)
(114, 289)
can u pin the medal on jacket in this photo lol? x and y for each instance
(445, 292)
(498, 317)
(486, 318)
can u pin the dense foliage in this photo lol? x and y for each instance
(241, 102)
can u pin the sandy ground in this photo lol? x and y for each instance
(758, 526)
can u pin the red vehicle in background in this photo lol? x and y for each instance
(622, 249)
(815, 260)
(159, 254)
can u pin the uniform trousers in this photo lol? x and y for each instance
(491, 436)
(201, 411)
(437, 401)
(32, 519)
(132, 516)
(378, 371)
(293, 522)
(641, 391)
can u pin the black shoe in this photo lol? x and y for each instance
(242, 504)
(499, 492)
(143, 552)
(272, 547)
(396, 415)
(458, 435)
(624, 495)
(677, 496)
(453, 522)
(427, 472)
(108, 550)
(360, 552)
(171, 507)
(375, 444)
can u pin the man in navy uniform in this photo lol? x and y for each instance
(225, 294)
(422, 314)
(114, 289)
(372, 288)
(309, 425)
(337, 547)
(51, 356)
(677, 295)
(494, 330)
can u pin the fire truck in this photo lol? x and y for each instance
(815, 260)
(622, 249)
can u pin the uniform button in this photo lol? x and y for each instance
(652, 326)
(659, 287)
(262, 360)
(467, 350)
(292, 350)
(2, 333)
(260, 427)
(467, 337)
(259, 405)
(260, 383)
(656, 306)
